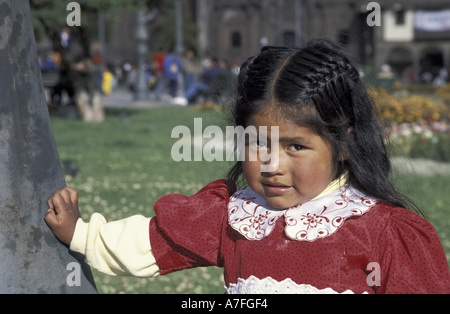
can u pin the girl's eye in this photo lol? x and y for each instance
(296, 147)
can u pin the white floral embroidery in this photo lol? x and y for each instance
(252, 217)
(246, 215)
(253, 285)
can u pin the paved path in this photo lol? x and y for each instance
(421, 166)
(125, 99)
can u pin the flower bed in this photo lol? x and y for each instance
(418, 124)
(404, 107)
(422, 140)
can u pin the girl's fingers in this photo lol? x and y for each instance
(73, 194)
(51, 219)
(68, 194)
(59, 204)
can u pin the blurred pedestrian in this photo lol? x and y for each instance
(158, 61)
(191, 70)
(131, 78)
(172, 69)
(214, 70)
(107, 81)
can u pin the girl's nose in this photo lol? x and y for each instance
(270, 168)
(276, 165)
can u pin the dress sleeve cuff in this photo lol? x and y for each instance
(79, 238)
(118, 248)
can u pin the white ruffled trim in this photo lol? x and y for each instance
(268, 285)
(251, 216)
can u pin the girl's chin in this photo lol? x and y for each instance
(279, 204)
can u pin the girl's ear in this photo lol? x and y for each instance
(345, 153)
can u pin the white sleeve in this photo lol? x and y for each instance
(119, 248)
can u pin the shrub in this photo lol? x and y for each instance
(405, 107)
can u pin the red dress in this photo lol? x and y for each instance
(353, 244)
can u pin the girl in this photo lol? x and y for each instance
(324, 219)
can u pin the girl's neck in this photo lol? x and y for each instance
(333, 186)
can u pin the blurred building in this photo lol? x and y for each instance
(414, 35)
(237, 28)
(414, 38)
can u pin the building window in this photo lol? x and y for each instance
(400, 17)
(236, 40)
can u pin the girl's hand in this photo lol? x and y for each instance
(63, 214)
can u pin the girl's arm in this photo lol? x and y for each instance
(118, 248)
(187, 232)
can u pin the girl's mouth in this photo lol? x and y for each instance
(276, 189)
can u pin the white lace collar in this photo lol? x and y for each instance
(251, 216)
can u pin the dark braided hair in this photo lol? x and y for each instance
(318, 87)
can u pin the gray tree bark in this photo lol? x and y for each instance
(31, 259)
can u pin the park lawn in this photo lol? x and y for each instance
(126, 165)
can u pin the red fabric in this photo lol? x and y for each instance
(159, 61)
(193, 231)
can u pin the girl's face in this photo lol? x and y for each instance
(304, 167)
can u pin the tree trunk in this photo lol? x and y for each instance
(31, 259)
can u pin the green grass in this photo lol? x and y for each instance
(126, 166)
(432, 195)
